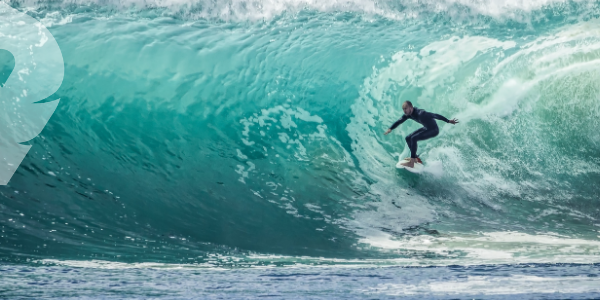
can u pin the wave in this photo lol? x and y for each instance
(178, 140)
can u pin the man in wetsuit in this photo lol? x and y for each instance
(429, 129)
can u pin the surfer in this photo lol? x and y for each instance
(430, 129)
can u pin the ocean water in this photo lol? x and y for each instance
(235, 149)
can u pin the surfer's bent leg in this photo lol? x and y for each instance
(420, 135)
(411, 144)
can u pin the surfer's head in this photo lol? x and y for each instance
(407, 107)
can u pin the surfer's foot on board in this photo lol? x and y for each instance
(410, 163)
(417, 160)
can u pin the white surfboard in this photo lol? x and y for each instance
(417, 169)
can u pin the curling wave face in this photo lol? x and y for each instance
(250, 133)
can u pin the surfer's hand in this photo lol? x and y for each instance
(388, 131)
(453, 121)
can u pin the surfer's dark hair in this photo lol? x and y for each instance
(407, 103)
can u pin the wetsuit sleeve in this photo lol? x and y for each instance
(440, 117)
(400, 121)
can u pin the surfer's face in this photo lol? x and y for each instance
(408, 110)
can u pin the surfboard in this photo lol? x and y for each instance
(417, 169)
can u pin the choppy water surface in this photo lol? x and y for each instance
(150, 281)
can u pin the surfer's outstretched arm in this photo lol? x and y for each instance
(397, 123)
(442, 118)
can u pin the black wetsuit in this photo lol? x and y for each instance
(429, 129)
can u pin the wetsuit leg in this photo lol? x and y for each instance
(409, 140)
(420, 135)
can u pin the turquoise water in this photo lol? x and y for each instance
(249, 134)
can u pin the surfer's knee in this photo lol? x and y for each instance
(433, 132)
(408, 138)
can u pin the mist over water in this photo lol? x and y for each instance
(245, 133)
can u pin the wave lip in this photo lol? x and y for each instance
(259, 10)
